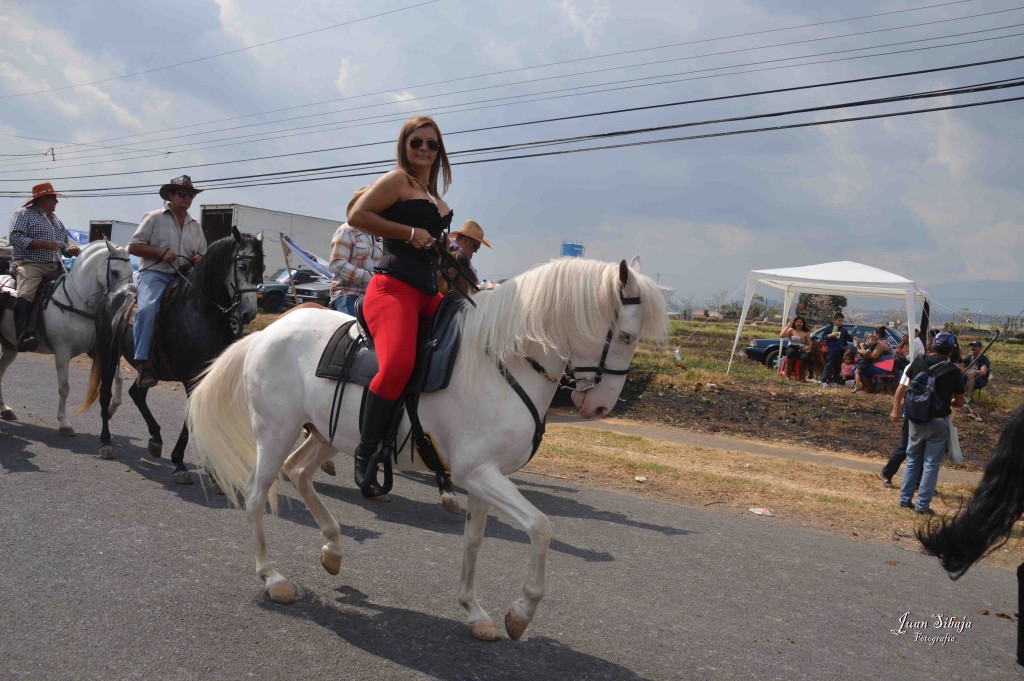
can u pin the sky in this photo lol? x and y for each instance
(932, 197)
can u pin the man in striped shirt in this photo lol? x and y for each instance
(38, 238)
(354, 254)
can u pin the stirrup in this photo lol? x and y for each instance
(366, 478)
(28, 342)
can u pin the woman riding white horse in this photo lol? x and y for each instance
(516, 345)
(68, 320)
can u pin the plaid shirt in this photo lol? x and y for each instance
(29, 224)
(354, 254)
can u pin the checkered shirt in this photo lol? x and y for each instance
(354, 254)
(29, 224)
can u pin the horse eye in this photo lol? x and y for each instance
(244, 266)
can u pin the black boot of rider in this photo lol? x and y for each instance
(27, 341)
(377, 415)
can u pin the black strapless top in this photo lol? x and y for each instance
(402, 261)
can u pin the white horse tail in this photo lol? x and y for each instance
(218, 418)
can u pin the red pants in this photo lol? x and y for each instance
(393, 309)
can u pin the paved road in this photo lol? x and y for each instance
(111, 571)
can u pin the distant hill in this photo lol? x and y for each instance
(986, 296)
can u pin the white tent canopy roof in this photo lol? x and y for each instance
(838, 278)
(842, 278)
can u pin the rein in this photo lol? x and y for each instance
(69, 306)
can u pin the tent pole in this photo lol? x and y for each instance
(751, 285)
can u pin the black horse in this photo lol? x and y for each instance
(198, 319)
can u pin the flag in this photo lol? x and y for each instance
(81, 238)
(316, 263)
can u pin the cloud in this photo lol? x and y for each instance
(348, 76)
(587, 19)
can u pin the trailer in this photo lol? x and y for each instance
(117, 231)
(311, 233)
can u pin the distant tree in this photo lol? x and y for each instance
(717, 301)
(893, 316)
(732, 309)
(855, 315)
(689, 304)
(820, 307)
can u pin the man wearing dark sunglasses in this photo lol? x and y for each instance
(169, 241)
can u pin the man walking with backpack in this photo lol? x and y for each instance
(931, 385)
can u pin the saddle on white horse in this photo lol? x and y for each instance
(349, 357)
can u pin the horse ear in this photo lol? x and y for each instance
(259, 237)
(110, 247)
(623, 272)
(238, 236)
(634, 264)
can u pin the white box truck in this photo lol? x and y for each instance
(312, 234)
(118, 231)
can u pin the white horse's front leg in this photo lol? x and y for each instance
(61, 361)
(497, 490)
(7, 355)
(476, 521)
(115, 397)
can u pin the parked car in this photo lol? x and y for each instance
(318, 291)
(275, 294)
(766, 350)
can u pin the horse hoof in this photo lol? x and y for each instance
(8, 415)
(514, 626)
(155, 448)
(484, 630)
(451, 503)
(66, 431)
(183, 477)
(330, 561)
(281, 592)
(106, 452)
(328, 467)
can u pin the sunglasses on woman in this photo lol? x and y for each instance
(417, 142)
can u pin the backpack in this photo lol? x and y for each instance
(922, 402)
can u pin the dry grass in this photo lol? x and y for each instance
(846, 502)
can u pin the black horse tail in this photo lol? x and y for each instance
(111, 320)
(987, 520)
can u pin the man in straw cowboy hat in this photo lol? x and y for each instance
(467, 239)
(38, 238)
(168, 240)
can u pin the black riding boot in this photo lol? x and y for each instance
(27, 341)
(377, 417)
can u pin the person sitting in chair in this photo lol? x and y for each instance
(977, 376)
(168, 240)
(38, 238)
(799, 344)
(870, 358)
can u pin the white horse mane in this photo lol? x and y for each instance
(554, 306)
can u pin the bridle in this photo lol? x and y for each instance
(578, 385)
(69, 306)
(568, 377)
(236, 297)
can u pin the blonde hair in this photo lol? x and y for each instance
(440, 165)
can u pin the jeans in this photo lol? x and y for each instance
(899, 455)
(151, 288)
(833, 366)
(926, 445)
(346, 304)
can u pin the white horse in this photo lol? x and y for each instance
(67, 323)
(246, 410)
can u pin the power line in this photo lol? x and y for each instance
(546, 65)
(219, 54)
(348, 124)
(560, 118)
(212, 182)
(596, 71)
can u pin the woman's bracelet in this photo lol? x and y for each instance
(412, 233)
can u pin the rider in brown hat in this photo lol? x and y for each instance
(38, 238)
(469, 237)
(168, 240)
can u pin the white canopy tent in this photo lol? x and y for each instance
(843, 278)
